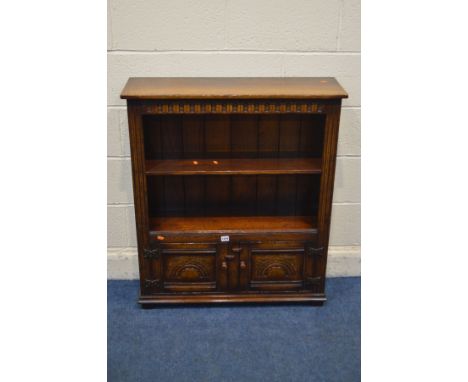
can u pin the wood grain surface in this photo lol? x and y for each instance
(235, 87)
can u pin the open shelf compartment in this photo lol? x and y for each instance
(219, 136)
(215, 173)
(223, 203)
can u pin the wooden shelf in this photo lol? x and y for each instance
(234, 224)
(234, 166)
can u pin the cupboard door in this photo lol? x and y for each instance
(188, 267)
(277, 267)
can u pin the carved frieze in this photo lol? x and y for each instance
(232, 106)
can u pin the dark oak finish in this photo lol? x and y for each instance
(233, 187)
(233, 224)
(263, 166)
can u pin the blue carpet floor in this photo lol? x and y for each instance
(235, 343)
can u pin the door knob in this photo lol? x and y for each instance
(243, 265)
(224, 265)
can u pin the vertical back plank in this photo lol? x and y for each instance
(217, 195)
(311, 135)
(217, 136)
(266, 196)
(286, 199)
(194, 195)
(289, 135)
(152, 137)
(174, 195)
(268, 135)
(192, 136)
(171, 131)
(244, 136)
(243, 195)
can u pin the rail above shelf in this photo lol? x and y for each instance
(257, 166)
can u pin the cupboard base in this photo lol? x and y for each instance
(314, 298)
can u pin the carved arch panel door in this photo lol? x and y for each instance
(193, 267)
(281, 266)
(183, 267)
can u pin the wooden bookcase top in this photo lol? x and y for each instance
(235, 87)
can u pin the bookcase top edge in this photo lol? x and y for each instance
(233, 88)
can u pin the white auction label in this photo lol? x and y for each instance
(224, 238)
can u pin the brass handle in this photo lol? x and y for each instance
(224, 265)
(243, 265)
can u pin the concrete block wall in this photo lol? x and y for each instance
(234, 38)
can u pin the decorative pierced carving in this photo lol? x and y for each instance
(315, 251)
(233, 106)
(151, 254)
(152, 283)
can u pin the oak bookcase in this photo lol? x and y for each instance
(233, 185)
